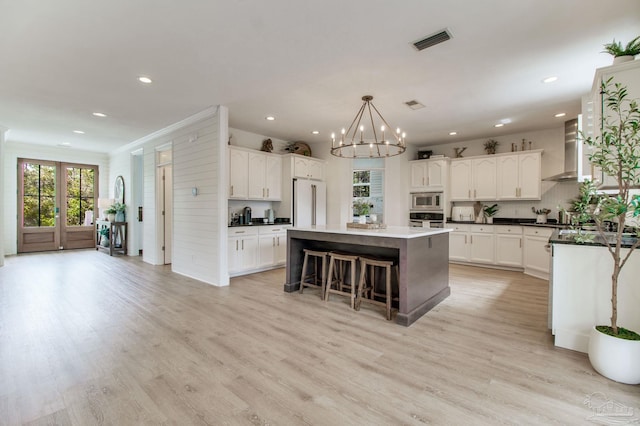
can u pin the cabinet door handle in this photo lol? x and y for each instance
(231, 190)
(267, 192)
(428, 182)
(465, 239)
(278, 241)
(471, 239)
(242, 244)
(236, 245)
(520, 242)
(474, 194)
(469, 193)
(273, 242)
(262, 192)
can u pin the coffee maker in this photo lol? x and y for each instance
(247, 215)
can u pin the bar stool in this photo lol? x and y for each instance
(312, 279)
(367, 283)
(338, 264)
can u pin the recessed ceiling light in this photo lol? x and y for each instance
(269, 118)
(145, 80)
(550, 79)
(499, 125)
(80, 132)
(560, 114)
(453, 133)
(315, 132)
(99, 114)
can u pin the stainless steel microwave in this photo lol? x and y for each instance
(427, 201)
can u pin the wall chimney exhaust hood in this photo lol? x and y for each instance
(572, 152)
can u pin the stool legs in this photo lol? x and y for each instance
(367, 284)
(313, 280)
(337, 273)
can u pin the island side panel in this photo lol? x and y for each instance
(424, 276)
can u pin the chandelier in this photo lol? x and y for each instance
(355, 143)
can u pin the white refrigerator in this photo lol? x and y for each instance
(309, 203)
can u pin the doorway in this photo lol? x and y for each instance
(56, 205)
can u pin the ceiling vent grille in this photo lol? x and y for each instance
(432, 40)
(413, 104)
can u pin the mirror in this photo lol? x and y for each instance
(118, 190)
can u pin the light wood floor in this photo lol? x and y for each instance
(90, 339)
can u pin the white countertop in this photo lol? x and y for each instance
(389, 232)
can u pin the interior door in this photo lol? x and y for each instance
(38, 209)
(57, 205)
(166, 200)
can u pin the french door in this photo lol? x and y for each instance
(56, 205)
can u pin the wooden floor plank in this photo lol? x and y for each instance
(93, 339)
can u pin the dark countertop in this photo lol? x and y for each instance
(260, 224)
(566, 237)
(552, 223)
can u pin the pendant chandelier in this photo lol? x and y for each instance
(361, 140)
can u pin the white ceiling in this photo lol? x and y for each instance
(308, 63)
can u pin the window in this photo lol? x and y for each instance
(39, 195)
(79, 194)
(368, 184)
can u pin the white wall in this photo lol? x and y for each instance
(2, 212)
(254, 140)
(15, 150)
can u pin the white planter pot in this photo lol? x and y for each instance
(111, 217)
(621, 59)
(362, 219)
(489, 219)
(541, 218)
(614, 358)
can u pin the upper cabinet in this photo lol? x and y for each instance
(308, 168)
(254, 175)
(593, 111)
(519, 176)
(238, 173)
(473, 179)
(428, 175)
(497, 177)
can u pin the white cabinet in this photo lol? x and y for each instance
(308, 168)
(472, 243)
(459, 248)
(509, 246)
(273, 246)
(238, 173)
(482, 242)
(519, 176)
(460, 180)
(484, 178)
(473, 179)
(537, 251)
(427, 175)
(254, 175)
(242, 249)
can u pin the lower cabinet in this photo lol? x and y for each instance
(537, 252)
(500, 245)
(509, 246)
(256, 248)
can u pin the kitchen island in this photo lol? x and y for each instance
(422, 254)
(580, 290)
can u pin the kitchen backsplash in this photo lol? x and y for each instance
(554, 194)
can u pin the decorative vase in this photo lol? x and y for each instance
(541, 218)
(362, 218)
(373, 217)
(120, 216)
(616, 359)
(104, 241)
(111, 217)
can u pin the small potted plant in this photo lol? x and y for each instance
(541, 214)
(620, 53)
(118, 210)
(111, 214)
(104, 236)
(489, 212)
(361, 209)
(491, 145)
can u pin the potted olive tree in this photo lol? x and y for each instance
(623, 54)
(615, 351)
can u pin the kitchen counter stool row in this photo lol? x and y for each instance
(339, 277)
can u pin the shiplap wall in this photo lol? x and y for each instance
(15, 150)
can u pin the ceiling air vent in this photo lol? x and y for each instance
(413, 104)
(433, 39)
